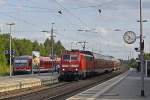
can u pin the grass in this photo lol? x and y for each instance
(4, 70)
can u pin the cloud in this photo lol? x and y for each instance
(2, 2)
(102, 31)
(115, 14)
(82, 3)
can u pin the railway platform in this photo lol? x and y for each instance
(8, 83)
(126, 86)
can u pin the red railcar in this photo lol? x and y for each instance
(24, 64)
(80, 64)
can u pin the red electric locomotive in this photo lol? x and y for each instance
(77, 64)
(24, 64)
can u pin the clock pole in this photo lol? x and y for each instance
(141, 51)
(130, 39)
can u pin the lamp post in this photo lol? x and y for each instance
(52, 44)
(52, 48)
(10, 51)
(141, 51)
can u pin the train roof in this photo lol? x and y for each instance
(81, 51)
(41, 58)
(100, 56)
(96, 55)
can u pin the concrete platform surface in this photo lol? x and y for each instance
(25, 81)
(123, 87)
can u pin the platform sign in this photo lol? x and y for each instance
(13, 52)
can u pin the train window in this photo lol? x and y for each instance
(89, 58)
(66, 57)
(74, 57)
(20, 64)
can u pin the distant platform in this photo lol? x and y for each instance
(25, 81)
(126, 86)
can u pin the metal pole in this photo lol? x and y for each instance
(83, 44)
(10, 50)
(52, 48)
(146, 68)
(149, 47)
(141, 51)
(10, 53)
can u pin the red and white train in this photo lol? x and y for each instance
(24, 64)
(80, 64)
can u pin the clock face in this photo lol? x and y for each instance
(129, 37)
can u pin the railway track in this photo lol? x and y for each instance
(26, 91)
(62, 90)
(81, 87)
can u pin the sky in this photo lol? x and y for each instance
(33, 16)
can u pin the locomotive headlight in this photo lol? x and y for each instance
(63, 69)
(76, 69)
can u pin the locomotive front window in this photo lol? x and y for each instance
(74, 57)
(66, 57)
(20, 63)
(70, 57)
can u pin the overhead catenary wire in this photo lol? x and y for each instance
(32, 7)
(53, 10)
(48, 9)
(22, 11)
(28, 11)
(24, 21)
(79, 19)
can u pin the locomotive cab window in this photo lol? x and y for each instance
(70, 57)
(74, 57)
(66, 57)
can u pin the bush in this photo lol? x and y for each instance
(4, 70)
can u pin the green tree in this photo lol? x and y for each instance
(42, 50)
(35, 46)
(58, 49)
(25, 47)
(133, 63)
(48, 45)
(147, 56)
(2, 54)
